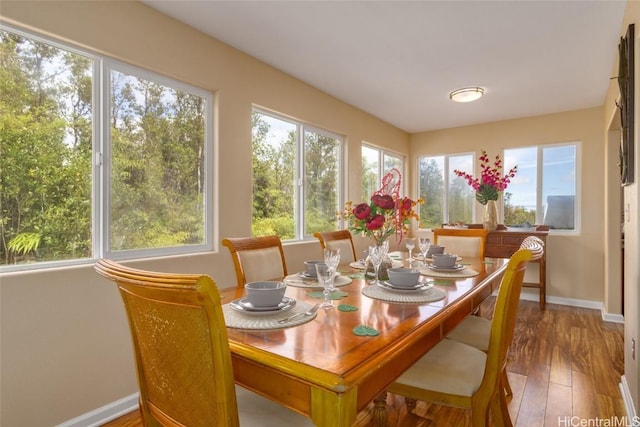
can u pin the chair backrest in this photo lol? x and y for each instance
(461, 241)
(181, 347)
(503, 322)
(257, 258)
(340, 239)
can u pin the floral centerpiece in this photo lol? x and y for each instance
(489, 186)
(386, 214)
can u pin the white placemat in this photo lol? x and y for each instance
(377, 292)
(359, 265)
(464, 273)
(238, 320)
(300, 282)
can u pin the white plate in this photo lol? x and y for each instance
(429, 258)
(305, 275)
(454, 268)
(244, 306)
(421, 287)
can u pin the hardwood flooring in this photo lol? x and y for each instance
(563, 362)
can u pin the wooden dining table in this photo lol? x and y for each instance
(324, 370)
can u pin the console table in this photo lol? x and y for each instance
(502, 243)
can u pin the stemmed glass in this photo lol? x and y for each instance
(325, 273)
(376, 254)
(424, 243)
(332, 259)
(410, 242)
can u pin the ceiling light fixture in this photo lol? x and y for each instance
(467, 94)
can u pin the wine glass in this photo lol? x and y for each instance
(424, 243)
(325, 273)
(332, 259)
(376, 254)
(410, 243)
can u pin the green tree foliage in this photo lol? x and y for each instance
(432, 191)
(517, 215)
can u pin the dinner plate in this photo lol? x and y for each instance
(244, 306)
(457, 267)
(430, 258)
(421, 287)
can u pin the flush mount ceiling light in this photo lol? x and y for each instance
(467, 94)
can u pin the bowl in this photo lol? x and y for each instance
(444, 260)
(265, 294)
(403, 277)
(435, 249)
(310, 268)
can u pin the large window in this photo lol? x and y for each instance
(296, 177)
(375, 164)
(97, 158)
(544, 190)
(448, 198)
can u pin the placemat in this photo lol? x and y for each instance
(377, 292)
(359, 265)
(465, 272)
(299, 282)
(238, 320)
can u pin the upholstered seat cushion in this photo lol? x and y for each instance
(449, 367)
(257, 411)
(473, 331)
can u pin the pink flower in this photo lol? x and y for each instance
(383, 201)
(362, 211)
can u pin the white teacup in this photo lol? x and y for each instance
(403, 277)
(444, 260)
(310, 268)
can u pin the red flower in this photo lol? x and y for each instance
(375, 223)
(383, 201)
(362, 211)
(406, 204)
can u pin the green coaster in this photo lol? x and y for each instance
(443, 282)
(356, 276)
(347, 307)
(364, 331)
(332, 295)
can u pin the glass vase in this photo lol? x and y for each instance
(370, 270)
(490, 220)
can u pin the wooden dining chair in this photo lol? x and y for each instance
(475, 330)
(257, 258)
(183, 360)
(457, 374)
(340, 239)
(461, 241)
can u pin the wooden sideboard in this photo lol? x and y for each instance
(502, 243)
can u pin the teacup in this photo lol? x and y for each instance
(444, 260)
(310, 268)
(435, 249)
(265, 294)
(403, 277)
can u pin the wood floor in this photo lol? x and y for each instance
(563, 362)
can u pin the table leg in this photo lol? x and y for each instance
(331, 409)
(380, 410)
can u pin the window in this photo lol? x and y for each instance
(375, 164)
(544, 189)
(138, 176)
(296, 177)
(448, 198)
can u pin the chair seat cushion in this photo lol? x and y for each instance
(255, 410)
(473, 331)
(449, 367)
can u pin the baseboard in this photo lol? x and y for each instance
(106, 413)
(626, 398)
(595, 305)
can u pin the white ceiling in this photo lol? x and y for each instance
(398, 60)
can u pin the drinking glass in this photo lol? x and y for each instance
(325, 273)
(376, 254)
(423, 244)
(410, 242)
(332, 259)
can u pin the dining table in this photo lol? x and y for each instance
(331, 364)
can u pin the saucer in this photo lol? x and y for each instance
(305, 275)
(430, 258)
(420, 287)
(244, 306)
(456, 267)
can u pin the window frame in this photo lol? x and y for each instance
(299, 185)
(102, 66)
(382, 153)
